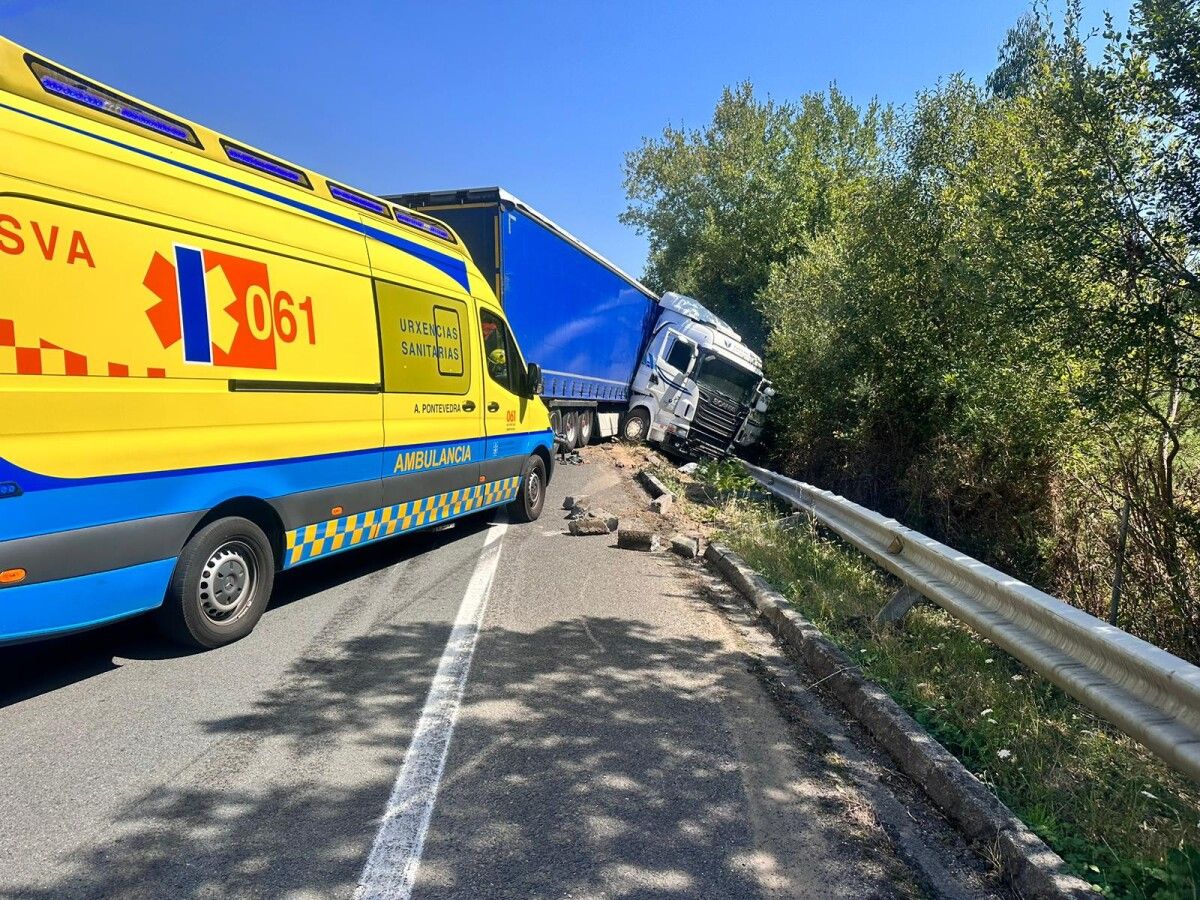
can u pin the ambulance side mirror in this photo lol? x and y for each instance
(533, 380)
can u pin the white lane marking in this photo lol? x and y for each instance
(391, 869)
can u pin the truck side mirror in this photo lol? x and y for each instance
(533, 380)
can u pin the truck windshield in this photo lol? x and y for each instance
(727, 378)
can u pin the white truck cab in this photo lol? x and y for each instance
(699, 389)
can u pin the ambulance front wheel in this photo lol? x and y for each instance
(532, 496)
(221, 585)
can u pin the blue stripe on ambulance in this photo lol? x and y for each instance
(72, 604)
(53, 504)
(449, 265)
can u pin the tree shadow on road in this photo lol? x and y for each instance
(590, 759)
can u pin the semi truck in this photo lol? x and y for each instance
(616, 358)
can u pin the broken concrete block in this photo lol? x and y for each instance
(570, 502)
(585, 526)
(579, 511)
(685, 546)
(689, 468)
(652, 483)
(604, 516)
(663, 504)
(637, 539)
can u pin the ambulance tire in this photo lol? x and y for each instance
(528, 505)
(571, 429)
(221, 585)
(587, 426)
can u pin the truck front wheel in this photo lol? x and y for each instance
(634, 425)
(532, 491)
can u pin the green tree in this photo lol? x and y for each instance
(721, 204)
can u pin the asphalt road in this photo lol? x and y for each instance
(613, 739)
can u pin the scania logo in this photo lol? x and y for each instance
(722, 403)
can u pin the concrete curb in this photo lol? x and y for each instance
(653, 485)
(1034, 869)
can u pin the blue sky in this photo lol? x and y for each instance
(543, 98)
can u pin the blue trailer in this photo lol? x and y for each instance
(577, 315)
(615, 357)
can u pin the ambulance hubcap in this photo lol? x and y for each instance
(533, 487)
(227, 582)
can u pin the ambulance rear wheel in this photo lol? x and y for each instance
(221, 585)
(532, 491)
(570, 430)
(586, 426)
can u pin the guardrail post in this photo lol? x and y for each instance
(897, 608)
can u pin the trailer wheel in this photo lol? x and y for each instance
(634, 425)
(570, 430)
(532, 491)
(587, 426)
(221, 585)
(556, 422)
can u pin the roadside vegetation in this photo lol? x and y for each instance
(981, 310)
(1120, 819)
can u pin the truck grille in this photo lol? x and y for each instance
(716, 423)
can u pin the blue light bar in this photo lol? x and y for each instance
(54, 86)
(70, 87)
(170, 129)
(361, 200)
(425, 225)
(264, 163)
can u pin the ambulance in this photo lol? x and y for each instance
(216, 365)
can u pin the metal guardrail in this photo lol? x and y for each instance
(1150, 694)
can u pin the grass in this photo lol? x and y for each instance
(1118, 817)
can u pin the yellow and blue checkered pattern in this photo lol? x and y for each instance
(342, 533)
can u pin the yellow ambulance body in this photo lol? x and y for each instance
(215, 364)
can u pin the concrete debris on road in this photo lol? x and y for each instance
(584, 520)
(588, 526)
(686, 546)
(571, 459)
(638, 539)
(663, 504)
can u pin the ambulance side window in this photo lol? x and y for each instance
(424, 339)
(500, 355)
